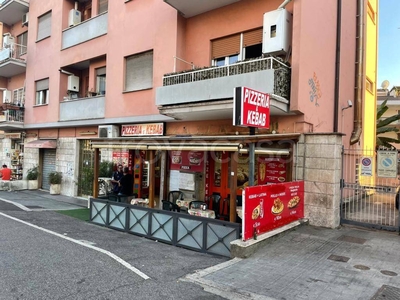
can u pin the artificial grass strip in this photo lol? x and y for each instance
(80, 213)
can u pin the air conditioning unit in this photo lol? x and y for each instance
(108, 131)
(277, 32)
(8, 40)
(74, 17)
(7, 96)
(73, 83)
(25, 19)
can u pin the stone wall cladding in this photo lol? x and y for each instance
(319, 165)
(67, 162)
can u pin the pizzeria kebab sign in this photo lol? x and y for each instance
(251, 108)
(267, 207)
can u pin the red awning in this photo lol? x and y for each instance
(49, 144)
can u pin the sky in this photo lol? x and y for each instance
(389, 42)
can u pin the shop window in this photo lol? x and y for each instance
(42, 91)
(139, 71)
(44, 26)
(86, 168)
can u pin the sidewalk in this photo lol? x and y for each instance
(315, 264)
(42, 200)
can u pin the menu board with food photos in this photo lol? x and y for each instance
(190, 161)
(271, 170)
(267, 207)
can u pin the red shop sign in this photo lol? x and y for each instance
(271, 170)
(187, 160)
(267, 207)
(251, 108)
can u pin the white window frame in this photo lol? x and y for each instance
(42, 92)
(22, 43)
(19, 96)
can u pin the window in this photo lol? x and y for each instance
(139, 71)
(231, 49)
(101, 80)
(19, 96)
(42, 91)
(22, 41)
(44, 26)
(103, 6)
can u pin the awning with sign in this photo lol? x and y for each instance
(47, 144)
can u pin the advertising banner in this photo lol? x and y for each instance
(191, 161)
(271, 170)
(267, 207)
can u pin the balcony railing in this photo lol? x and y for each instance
(14, 51)
(12, 116)
(282, 73)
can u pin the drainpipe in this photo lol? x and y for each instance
(356, 134)
(337, 67)
(286, 2)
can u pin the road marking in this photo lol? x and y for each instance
(16, 204)
(110, 254)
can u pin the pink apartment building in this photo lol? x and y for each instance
(150, 84)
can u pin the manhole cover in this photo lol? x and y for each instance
(388, 273)
(387, 292)
(33, 206)
(351, 239)
(338, 258)
(361, 267)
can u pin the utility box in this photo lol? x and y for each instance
(277, 32)
(74, 17)
(73, 83)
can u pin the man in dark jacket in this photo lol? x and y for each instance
(126, 183)
(116, 177)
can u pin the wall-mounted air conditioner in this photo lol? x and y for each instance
(6, 96)
(73, 83)
(108, 131)
(277, 32)
(74, 17)
(25, 19)
(8, 40)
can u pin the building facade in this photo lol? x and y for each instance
(134, 81)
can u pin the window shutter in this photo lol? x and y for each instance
(101, 71)
(42, 85)
(44, 26)
(226, 46)
(253, 37)
(139, 72)
(103, 6)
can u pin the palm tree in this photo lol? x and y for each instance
(383, 126)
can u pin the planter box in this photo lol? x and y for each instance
(33, 184)
(55, 189)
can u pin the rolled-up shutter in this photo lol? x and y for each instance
(44, 26)
(253, 37)
(49, 165)
(226, 46)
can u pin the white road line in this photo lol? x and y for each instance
(112, 255)
(16, 204)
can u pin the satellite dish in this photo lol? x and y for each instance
(385, 84)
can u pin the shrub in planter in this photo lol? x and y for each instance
(106, 169)
(33, 173)
(55, 177)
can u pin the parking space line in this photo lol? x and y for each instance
(110, 254)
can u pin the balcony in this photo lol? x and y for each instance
(207, 94)
(195, 7)
(85, 31)
(11, 11)
(11, 60)
(83, 108)
(11, 117)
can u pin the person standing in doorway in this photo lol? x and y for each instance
(126, 183)
(116, 177)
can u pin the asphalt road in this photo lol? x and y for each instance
(46, 255)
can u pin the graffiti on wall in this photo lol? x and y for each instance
(315, 93)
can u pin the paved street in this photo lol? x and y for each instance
(306, 263)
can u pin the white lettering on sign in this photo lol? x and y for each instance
(256, 118)
(256, 98)
(143, 129)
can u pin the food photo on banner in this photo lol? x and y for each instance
(267, 207)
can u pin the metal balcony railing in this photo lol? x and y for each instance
(14, 51)
(230, 70)
(12, 116)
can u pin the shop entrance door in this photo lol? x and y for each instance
(49, 165)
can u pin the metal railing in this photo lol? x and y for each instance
(230, 70)
(178, 229)
(12, 116)
(14, 51)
